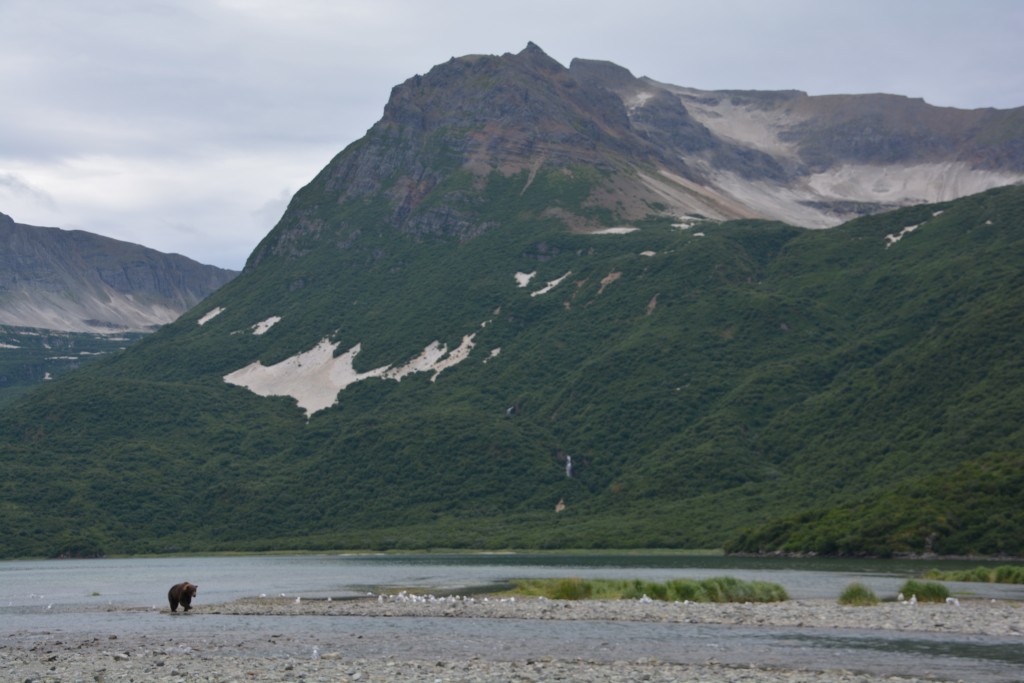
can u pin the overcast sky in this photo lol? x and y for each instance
(186, 125)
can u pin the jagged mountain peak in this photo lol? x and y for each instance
(812, 161)
(533, 55)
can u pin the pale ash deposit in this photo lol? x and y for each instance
(314, 378)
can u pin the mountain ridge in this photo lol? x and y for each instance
(742, 383)
(814, 161)
(75, 281)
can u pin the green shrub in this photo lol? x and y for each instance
(926, 591)
(978, 574)
(718, 589)
(859, 595)
(682, 590)
(1004, 574)
(765, 591)
(637, 589)
(729, 589)
(572, 589)
(1009, 574)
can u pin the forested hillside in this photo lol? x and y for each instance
(742, 384)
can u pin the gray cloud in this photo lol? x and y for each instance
(133, 116)
(11, 187)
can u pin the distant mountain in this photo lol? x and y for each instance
(68, 297)
(75, 281)
(541, 307)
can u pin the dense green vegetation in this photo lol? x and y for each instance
(29, 356)
(1008, 573)
(925, 591)
(715, 589)
(760, 387)
(858, 595)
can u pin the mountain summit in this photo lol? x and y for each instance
(652, 148)
(542, 307)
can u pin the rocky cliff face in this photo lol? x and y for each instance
(80, 282)
(663, 149)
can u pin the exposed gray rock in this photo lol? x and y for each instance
(75, 281)
(812, 161)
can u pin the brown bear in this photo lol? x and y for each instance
(182, 593)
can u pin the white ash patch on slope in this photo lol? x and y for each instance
(523, 279)
(608, 279)
(314, 378)
(907, 183)
(618, 230)
(210, 315)
(686, 196)
(895, 237)
(551, 285)
(746, 124)
(424, 362)
(801, 203)
(638, 99)
(261, 327)
(687, 222)
(458, 355)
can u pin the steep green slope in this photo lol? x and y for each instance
(29, 355)
(705, 382)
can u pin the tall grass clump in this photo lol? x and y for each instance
(1009, 574)
(729, 589)
(719, 589)
(1003, 574)
(858, 595)
(637, 589)
(683, 590)
(572, 589)
(926, 591)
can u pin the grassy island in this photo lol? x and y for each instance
(716, 589)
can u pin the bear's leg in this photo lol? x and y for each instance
(174, 604)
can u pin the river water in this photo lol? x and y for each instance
(73, 598)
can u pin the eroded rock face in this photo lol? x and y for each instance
(75, 281)
(810, 161)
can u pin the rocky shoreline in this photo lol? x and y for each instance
(992, 618)
(222, 657)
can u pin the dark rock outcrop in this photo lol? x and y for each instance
(809, 161)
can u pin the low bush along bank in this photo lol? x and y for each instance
(859, 595)
(717, 589)
(1004, 574)
(925, 591)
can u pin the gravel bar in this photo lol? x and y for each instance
(220, 658)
